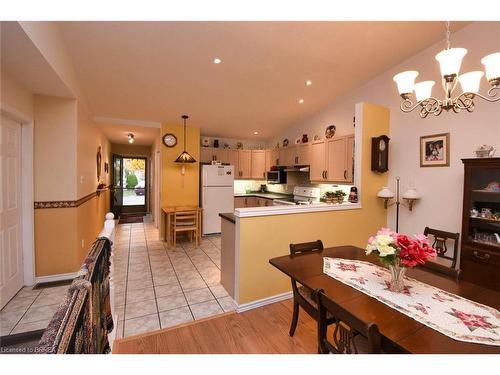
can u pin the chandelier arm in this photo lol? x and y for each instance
(491, 97)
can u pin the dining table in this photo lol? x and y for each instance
(400, 333)
(169, 211)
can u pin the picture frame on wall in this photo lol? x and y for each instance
(435, 150)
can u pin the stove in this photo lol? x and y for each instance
(302, 195)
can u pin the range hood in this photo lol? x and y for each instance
(297, 168)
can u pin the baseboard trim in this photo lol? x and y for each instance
(52, 278)
(264, 301)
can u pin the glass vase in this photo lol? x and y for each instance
(397, 278)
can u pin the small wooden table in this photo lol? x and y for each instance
(400, 333)
(169, 211)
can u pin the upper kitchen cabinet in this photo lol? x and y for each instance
(272, 157)
(300, 155)
(209, 154)
(258, 162)
(332, 160)
(317, 155)
(244, 169)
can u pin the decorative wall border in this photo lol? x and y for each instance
(67, 204)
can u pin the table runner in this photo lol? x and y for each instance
(447, 313)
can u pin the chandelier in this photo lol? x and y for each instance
(450, 61)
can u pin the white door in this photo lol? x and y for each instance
(216, 200)
(11, 259)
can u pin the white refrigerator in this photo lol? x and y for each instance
(217, 195)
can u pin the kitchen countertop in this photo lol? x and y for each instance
(258, 194)
(228, 216)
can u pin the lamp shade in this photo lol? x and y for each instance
(411, 193)
(405, 81)
(470, 81)
(450, 60)
(385, 193)
(492, 66)
(184, 157)
(423, 90)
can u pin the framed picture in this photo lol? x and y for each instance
(435, 150)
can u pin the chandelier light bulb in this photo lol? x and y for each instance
(423, 90)
(492, 66)
(405, 81)
(450, 60)
(470, 81)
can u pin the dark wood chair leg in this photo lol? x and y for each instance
(295, 318)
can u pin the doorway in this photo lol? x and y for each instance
(130, 185)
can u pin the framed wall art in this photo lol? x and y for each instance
(435, 150)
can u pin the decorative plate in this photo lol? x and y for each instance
(330, 131)
(316, 138)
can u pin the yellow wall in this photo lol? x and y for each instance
(176, 189)
(265, 237)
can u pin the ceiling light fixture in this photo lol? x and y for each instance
(217, 60)
(255, 133)
(130, 138)
(184, 157)
(449, 60)
(301, 101)
(308, 83)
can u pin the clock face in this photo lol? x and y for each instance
(381, 145)
(169, 140)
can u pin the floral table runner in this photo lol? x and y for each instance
(452, 315)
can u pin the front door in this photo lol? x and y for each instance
(11, 258)
(130, 185)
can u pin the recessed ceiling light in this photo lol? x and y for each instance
(255, 133)
(308, 83)
(130, 138)
(301, 101)
(217, 60)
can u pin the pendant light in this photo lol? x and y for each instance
(184, 157)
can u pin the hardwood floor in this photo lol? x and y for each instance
(262, 330)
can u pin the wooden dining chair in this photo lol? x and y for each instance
(302, 296)
(186, 221)
(350, 335)
(440, 239)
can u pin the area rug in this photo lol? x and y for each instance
(128, 219)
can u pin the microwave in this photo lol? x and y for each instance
(277, 176)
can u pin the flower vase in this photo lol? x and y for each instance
(397, 278)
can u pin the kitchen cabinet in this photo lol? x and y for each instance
(258, 168)
(271, 158)
(209, 154)
(240, 202)
(299, 155)
(245, 202)
(232, 159)
(264, 202)
(317, 163)
(220, 154)
(244, 164)
(206, 154)
(332, 160)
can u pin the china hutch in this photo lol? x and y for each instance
(480, 255)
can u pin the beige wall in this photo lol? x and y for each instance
(15, 95)
(265, 237)
(55, 152)
(441, 188)
(131, 150)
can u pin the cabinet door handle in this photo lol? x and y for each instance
(482, 257)
(278, 161)
(345, 174)
(296, 160)
(326, 175)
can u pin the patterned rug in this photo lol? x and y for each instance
(128, 219)
(452, 315)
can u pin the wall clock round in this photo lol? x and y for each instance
(169, 140)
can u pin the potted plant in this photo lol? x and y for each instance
(336, 196)
(398, 252)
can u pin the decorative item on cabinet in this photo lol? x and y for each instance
(435, 150)
(330, 131)
(316, 138)
(298, 141)
(380, 154)
(216, 143)
(205, 142)
(239, 145)
(285, 142)
(485, 151)
(226, 145)
(305, 139)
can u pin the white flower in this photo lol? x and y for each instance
(385, 250)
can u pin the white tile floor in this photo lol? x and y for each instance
(154, 287)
